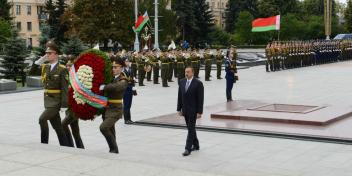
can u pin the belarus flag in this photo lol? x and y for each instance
(266, 24)
(141, 21)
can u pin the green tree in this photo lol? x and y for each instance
(268, 8)
(73, 46)
(234, 7)
(348, 16)
(5, 32)
(100, 21)
(243, 34)
(220, 37)
(316, 7)
(5, 8)
(204, 21)
(15, 52)
(43, 39)
(292, 28)
(55, 9)
(185, 19)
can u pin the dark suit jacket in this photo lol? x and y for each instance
(190, 102)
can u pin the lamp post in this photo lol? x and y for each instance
(327, 18)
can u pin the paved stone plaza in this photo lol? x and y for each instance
(157, 151)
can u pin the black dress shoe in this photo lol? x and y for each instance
(129, 122)
(195, 149)
(116, 151)
(186, 153)
(141, 85)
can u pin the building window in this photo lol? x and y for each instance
(30, 43)
(40, 10)
(29, 10)
(19, 26)
(18, 9)
(29, 26)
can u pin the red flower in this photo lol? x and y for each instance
(87, 112)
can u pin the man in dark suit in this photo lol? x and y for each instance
(190, 105)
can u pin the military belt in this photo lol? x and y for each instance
(115, 101)
(52, 91)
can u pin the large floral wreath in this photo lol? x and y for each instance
(90, 70)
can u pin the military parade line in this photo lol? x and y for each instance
(282, 55)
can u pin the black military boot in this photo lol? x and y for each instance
(112, 144)
(69, 138)
(62, 139)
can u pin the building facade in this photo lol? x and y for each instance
(28, 17)
(218, 9)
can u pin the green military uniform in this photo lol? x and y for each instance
(149, 64)
(134, 65)
(156, 68)
(219, 61)
(171, 68)
(55, 83)
(188, 60)
(180, 67)
(195, 65)
(73, 121)
(141, 71)
(207, 62)
(114, 91)
(164, 70)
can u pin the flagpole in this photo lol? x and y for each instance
(156, 28)
(136, 41)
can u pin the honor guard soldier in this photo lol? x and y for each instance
(219, 61)
(71, 120)
(55, 80)
(134, 63)
(180, 67)
(113, 112)
(195, 57)
(164, 69)
(148, 66)
(171, 66)
(156, 68)
(129, 92)
(230, 69)
(207, 62)
(141, 72)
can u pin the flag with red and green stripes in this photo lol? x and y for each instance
(141, 22)
(266, 24)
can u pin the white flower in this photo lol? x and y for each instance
(85, 76)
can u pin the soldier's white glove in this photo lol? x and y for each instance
(41, 60)
(102, 87)
(134, 88)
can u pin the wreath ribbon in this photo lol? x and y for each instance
(85, 94)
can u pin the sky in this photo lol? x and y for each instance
(343, 1)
